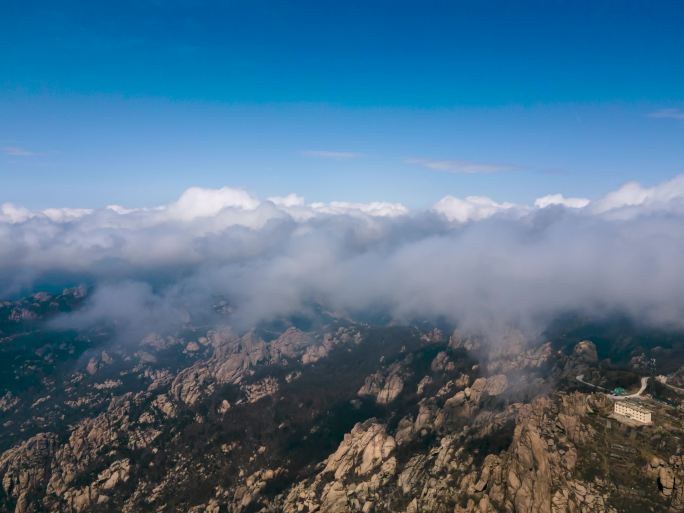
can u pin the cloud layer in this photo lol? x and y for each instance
(474, 261)
(668, 114)
(460, 166)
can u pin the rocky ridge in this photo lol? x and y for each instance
(340, 420)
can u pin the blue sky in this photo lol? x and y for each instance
(133, 102)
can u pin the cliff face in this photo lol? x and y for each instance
(26, 469)
(339, 420)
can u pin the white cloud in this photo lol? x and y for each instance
(375, 208)
(197, 202)
(291, 200)
(633, 194)
(325, 154)
(11, 213)
(296, 207)
(460, 166)
(121, 210)
(15, 214)
(471, 208)
(523, 265)
(668, 114)
(559, 199)
(61, 215)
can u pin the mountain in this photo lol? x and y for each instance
(334, 415)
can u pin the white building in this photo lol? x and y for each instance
(633, 411)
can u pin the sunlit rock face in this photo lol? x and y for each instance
(331, 415)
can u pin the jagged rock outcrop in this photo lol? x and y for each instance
(536, 473)
(96, 493)
(193, 383)
(245, 494)
(454, 427)
(25, 471)
(290, 345)
(459, 341)
(8, 402)
(670, 479)
(92, 438)
(586, 352)
(442, 363)
(234, 359)
(465, 403)
(384, 386)
(163, 404)
(265, 387)
(353, 475)
(518, 358)
(316, 352)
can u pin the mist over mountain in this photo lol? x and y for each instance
(479, 264)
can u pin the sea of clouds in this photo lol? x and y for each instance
(473, 261)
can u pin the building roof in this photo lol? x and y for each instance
(635, 406)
